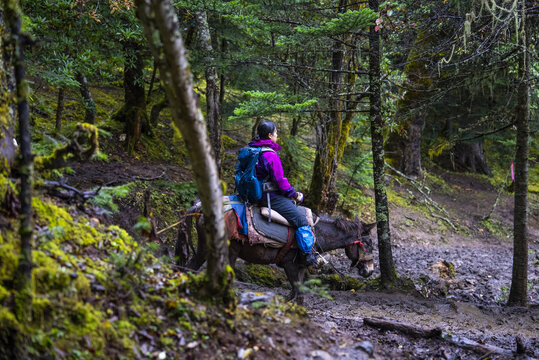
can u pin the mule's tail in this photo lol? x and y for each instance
(198, 258)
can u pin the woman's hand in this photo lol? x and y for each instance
(298, 197)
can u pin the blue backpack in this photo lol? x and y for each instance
(248, 187)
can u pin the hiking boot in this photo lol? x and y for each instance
(310, 259)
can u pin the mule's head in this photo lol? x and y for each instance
(359, 250)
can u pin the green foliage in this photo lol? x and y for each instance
(336, 282)
(143, 224)
(351, 20)
(265, 104)
(105, 197)
(100, 156)
(315, 286)
(298, 159)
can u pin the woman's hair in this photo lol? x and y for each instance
(265, 128)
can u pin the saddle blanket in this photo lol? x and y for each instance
(262, 231)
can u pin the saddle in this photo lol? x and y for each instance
(277, 233)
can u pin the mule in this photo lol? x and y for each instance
(330, 233)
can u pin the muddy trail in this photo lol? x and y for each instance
(468, 306)
(459, 279)
(457, 282)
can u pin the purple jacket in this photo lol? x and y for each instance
(270, 163)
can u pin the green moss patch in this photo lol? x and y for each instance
(262, 275)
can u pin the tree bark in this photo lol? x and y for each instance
(404, 149)
(156, 110)
(87, 99)
(518, 295)
(7, 108)
(59, 110)
(387, 267)
(322, 187)
(134, 110)
(152, 81)
(159, 17)
(212, 88)
(23, 277)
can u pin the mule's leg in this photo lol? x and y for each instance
(301, 277)
(233, 252)
(292, 273)
(200, 256)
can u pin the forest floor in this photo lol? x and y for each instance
(468, 302)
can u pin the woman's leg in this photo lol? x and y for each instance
(290, 212)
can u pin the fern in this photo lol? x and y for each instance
(106, 196)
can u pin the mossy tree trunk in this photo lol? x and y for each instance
(134, 110)
(333, 128)
(404, 148)
(518, 295)
(90, 111)
(23, 277)
(59, 109)
(463, 156)
(159, 17)
(328, 133)
(213, 114)
(7, 108)
(387, 267)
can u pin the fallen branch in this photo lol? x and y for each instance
(178, 223)
(440, 217)
(427, 198)
(487, 217)
(126, 179)
(411, 330)
(71, 193)
(416, 331)
(468, 344)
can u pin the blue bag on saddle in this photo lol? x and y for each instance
(248, 186)
(304, 238)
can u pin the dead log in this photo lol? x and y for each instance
(411, 330)
(469, 344)
(416, 331)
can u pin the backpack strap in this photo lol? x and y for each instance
(264, 149)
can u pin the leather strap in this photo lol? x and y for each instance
(286, 248)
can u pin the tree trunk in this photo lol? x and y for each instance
(156, 110)
(222, 79)
(59, 110)
(469, 157)
(404, 148)
(87, 99)
(7, 108)
(159, 17)
(134, 110)
(23, 277)
(212, 88)
(322, 188)
(152, 80)
(518, 294)
(12, 340)
(387, 267)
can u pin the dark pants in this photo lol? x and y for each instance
(287, 209)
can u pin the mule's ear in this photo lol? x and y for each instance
(369, 227)
(357, 219)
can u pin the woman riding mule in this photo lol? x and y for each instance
(331, 234)
(277, 191)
